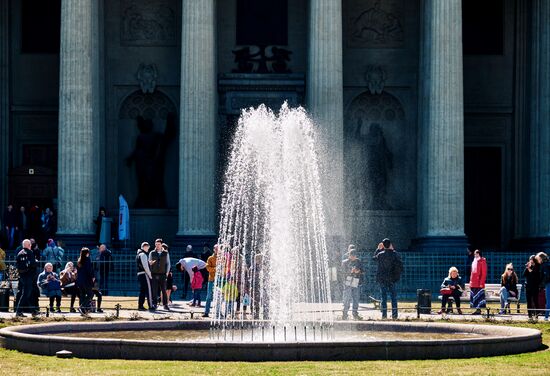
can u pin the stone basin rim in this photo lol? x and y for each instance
(495, 340)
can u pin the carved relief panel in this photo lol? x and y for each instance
(148, 23)
(374, 23)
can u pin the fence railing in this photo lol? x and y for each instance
(422, 270)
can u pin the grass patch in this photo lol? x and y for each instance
(535, 363)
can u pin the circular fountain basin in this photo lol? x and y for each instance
(411, 340)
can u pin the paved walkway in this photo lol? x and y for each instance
(180, 310)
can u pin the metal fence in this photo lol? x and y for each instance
(422, 270)
(426, 270)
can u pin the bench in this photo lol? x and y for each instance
(492, 294)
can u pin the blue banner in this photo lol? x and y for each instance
(123, 219)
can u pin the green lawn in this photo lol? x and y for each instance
(537, 363)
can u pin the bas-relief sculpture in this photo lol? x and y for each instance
(147, 75)
(374, 24)
(375, 77)
(148, 23)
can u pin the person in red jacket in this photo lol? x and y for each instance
(477, 282)
(196, 286)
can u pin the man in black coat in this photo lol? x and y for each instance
(389, 272)
(26, 267)
(105, 265)
(10, 225)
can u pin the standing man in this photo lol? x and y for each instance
(211, 269)
(159, 262)
(206, 253)
(144, 277)
(389, 272)
(10, 225)
(105, 261)
(353, 271)
(22, 223)
(26, 267)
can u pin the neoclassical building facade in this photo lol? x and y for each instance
(435, 114)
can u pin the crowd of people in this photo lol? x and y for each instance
(33, 222)
(536, 276)
(89, 278)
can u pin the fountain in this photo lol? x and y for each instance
(272, 253)
(272, 231)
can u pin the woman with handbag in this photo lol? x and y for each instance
(49, 284)
(452, 286)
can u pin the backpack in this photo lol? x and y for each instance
(22, 261)
(397, 268)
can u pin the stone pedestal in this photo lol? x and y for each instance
(198, 114)
(77, 173)
(324, 100)
(441, 128)
(539, 208)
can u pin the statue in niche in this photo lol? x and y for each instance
(378, 160)
(149, 156)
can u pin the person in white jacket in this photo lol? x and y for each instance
(187, 264)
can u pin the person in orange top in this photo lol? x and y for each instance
(211, 268)
(477, 283)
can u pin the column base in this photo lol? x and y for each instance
(77, 241)
(440, 243)
(197, 241)
(533, 245)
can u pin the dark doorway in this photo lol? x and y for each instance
(262, 23)
(483, 27)
(483, 196)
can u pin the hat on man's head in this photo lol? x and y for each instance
(386, 242)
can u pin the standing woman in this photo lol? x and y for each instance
(532, 282)
(85, 280)
(477, 283)
(509, 288)
(542, 258)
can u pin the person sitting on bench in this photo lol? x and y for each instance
(452, 286)
(509, 289)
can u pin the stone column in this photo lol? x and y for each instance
(324, 99)
(441, 128)
(4, 101)
(198, 114)
(539, 210)
(77, 171)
